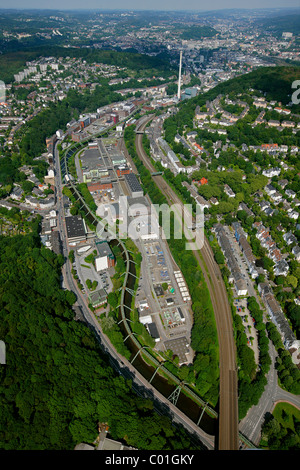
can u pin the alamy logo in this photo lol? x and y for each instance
(2, 92)
(140, 221)
(295, 98)
(2, 353)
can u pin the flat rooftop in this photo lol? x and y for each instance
(133, 182)
(91, 159)
(75, 226)
(179, 347)
(103, 249)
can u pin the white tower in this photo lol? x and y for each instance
(179, 78)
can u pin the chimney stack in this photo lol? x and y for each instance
(179, 79)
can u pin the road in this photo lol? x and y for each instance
(228, 399)
(251, 425)
(119, 363)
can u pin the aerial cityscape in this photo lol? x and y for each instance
(149, 229)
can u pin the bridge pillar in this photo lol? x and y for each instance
(173, 398)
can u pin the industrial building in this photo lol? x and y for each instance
(133, 185)
(76, 229)
(105, 258)
(152, 328)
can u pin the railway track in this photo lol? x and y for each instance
(228, 438)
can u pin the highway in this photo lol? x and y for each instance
(119, 363)
(228, 438)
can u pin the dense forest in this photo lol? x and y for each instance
(57, 384)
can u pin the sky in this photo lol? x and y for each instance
(147, 4)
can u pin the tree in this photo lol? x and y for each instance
(219, 257)
(292, 280)
(58, 384)
(113, 300)
(71, 256)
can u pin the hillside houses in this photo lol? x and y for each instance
(282, 183)
(171, 160)
(277, 316)
(281, 267)
(293, 215)
(260, 103)
(17, 193)
(270, 172)
(290, 193)
(203, 203)
(270, 189)
(244, 207)
(273, 193)
(265, 206)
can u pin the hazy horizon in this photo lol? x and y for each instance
(153, 5)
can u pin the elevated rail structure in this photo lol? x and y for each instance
(179, 385)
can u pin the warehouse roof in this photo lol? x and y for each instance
(133, 182)
(75, 226)
(153, 330)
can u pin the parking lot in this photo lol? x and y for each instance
(241, 262)
(87, 271)
(249, 325)
(159, 296)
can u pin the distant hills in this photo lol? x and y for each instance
(280, 24)
(198, 32)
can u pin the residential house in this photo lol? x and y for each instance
(290, 193)
(228, 191)
(289, 238)
(283, 183)
(277, 316)
(293, 215)
(296, 252)
(270, 172)
(281, 268)
(17, 193)
(270, 189)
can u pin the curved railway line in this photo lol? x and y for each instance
(228, 438)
